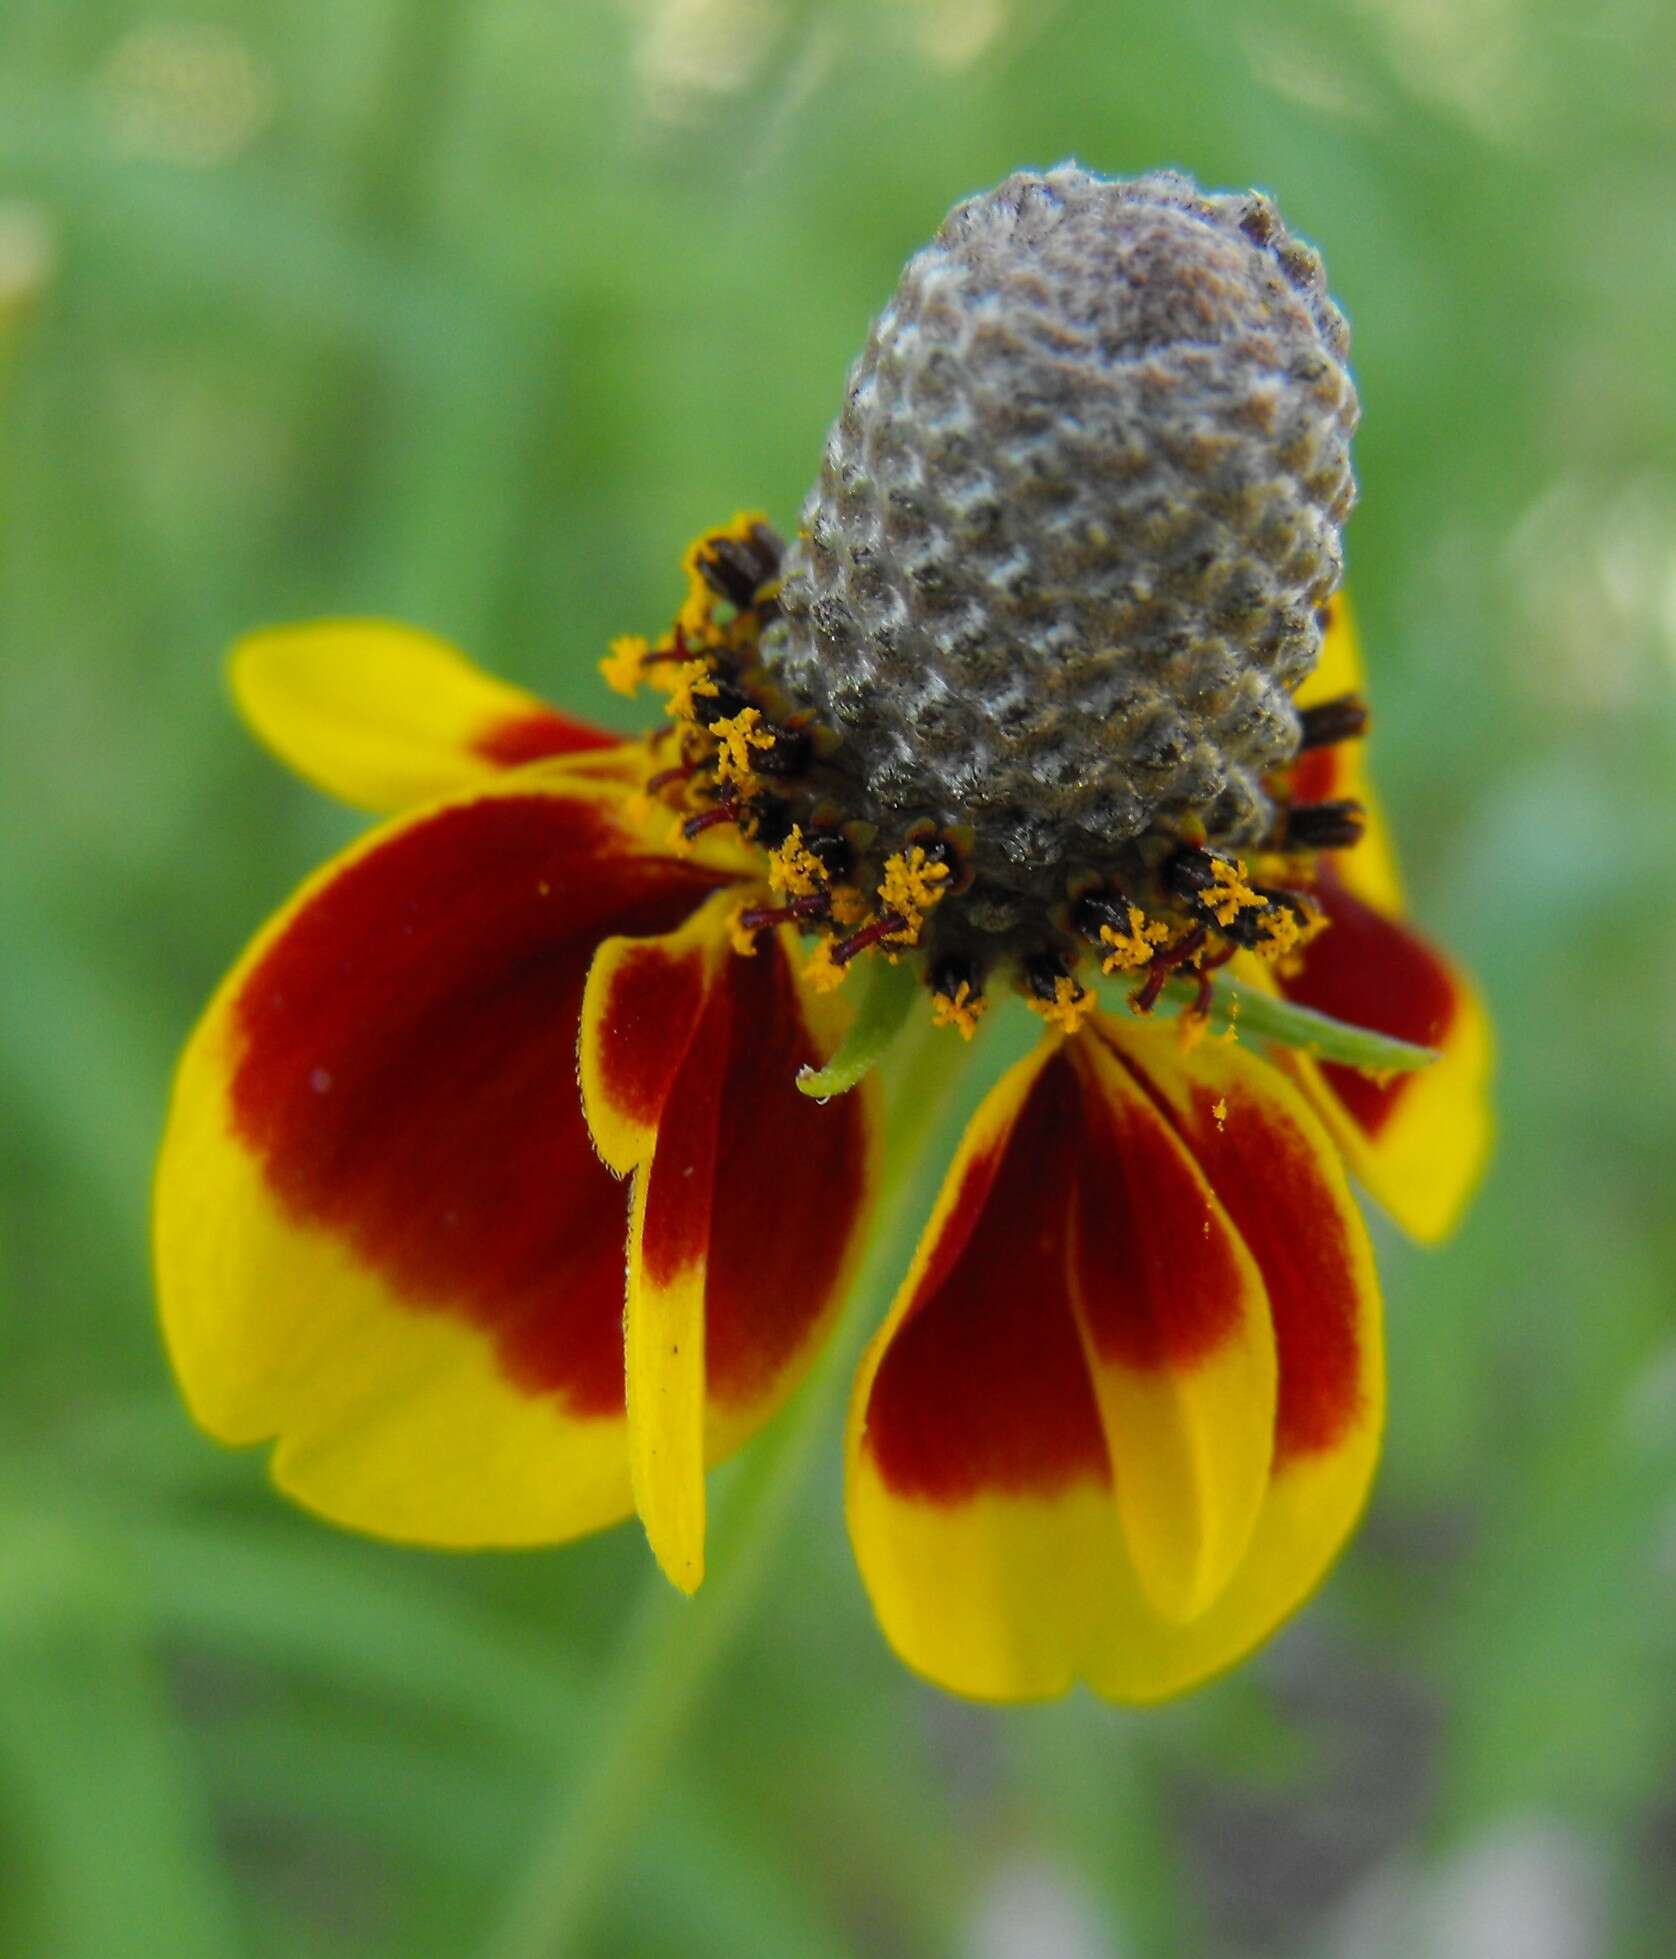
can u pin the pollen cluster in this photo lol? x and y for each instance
(1020, 693)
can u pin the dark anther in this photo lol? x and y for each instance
(1333, 721)
(1248, 926)
(1298, 903)
(1324, 826)
(941, 848)
(737, 568)
(1303, 907)
(831, 851)
(1096, 910)
(1042, 974)
(722, 704)
(788, 756)
(881, 928)
(770, 821)
(1188, 874)
(949, 975)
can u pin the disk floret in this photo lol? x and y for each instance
(737, 751)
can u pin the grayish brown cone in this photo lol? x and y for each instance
(1058, 579)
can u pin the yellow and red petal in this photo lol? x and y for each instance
(1279, 1178)
(1116, 1426)
(664, 1326)
(383, 1237)
(1175, 1323)
(1340, 771)
(1417, 1140)
(643, 1000)
(795, 1182)
(748, 1220)
(1060, 1442)
(978, 1485)
(386, 717)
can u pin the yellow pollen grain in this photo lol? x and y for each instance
(622, 668)
(692, 679)
(1219, 1109)
(1231, 1033)
(1133, 948)
(1311, 928)
(1278, 934)
(794, 869)
(693, 621)
(1069, 1007)
(911, 885)
(822, 971)
(738, 734)
(1230, 894)
(1287, 960)
(962, 1009)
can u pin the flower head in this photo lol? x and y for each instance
(1052, 694)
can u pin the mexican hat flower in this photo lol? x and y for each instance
(493, 1193)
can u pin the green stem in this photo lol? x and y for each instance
(1271, 1018)
(676, 1644)
(891, 992)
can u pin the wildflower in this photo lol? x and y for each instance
(1051, 694)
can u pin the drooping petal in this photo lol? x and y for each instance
(978, 1489)
(1060, 1440)
(383, 1237)
(386, 717)
(664, 1323)
(750, 1199)
(1418, 1141)
(795, 1183)
(643, 1000)
(1175, 1324)
(653, 1060)
(1278, 1176)
(1329, 774)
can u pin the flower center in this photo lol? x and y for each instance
(1020, 694)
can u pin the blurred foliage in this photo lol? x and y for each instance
(472, 314)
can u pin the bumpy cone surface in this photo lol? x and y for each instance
(1059, 577)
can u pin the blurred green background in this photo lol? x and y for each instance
(472, 315)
